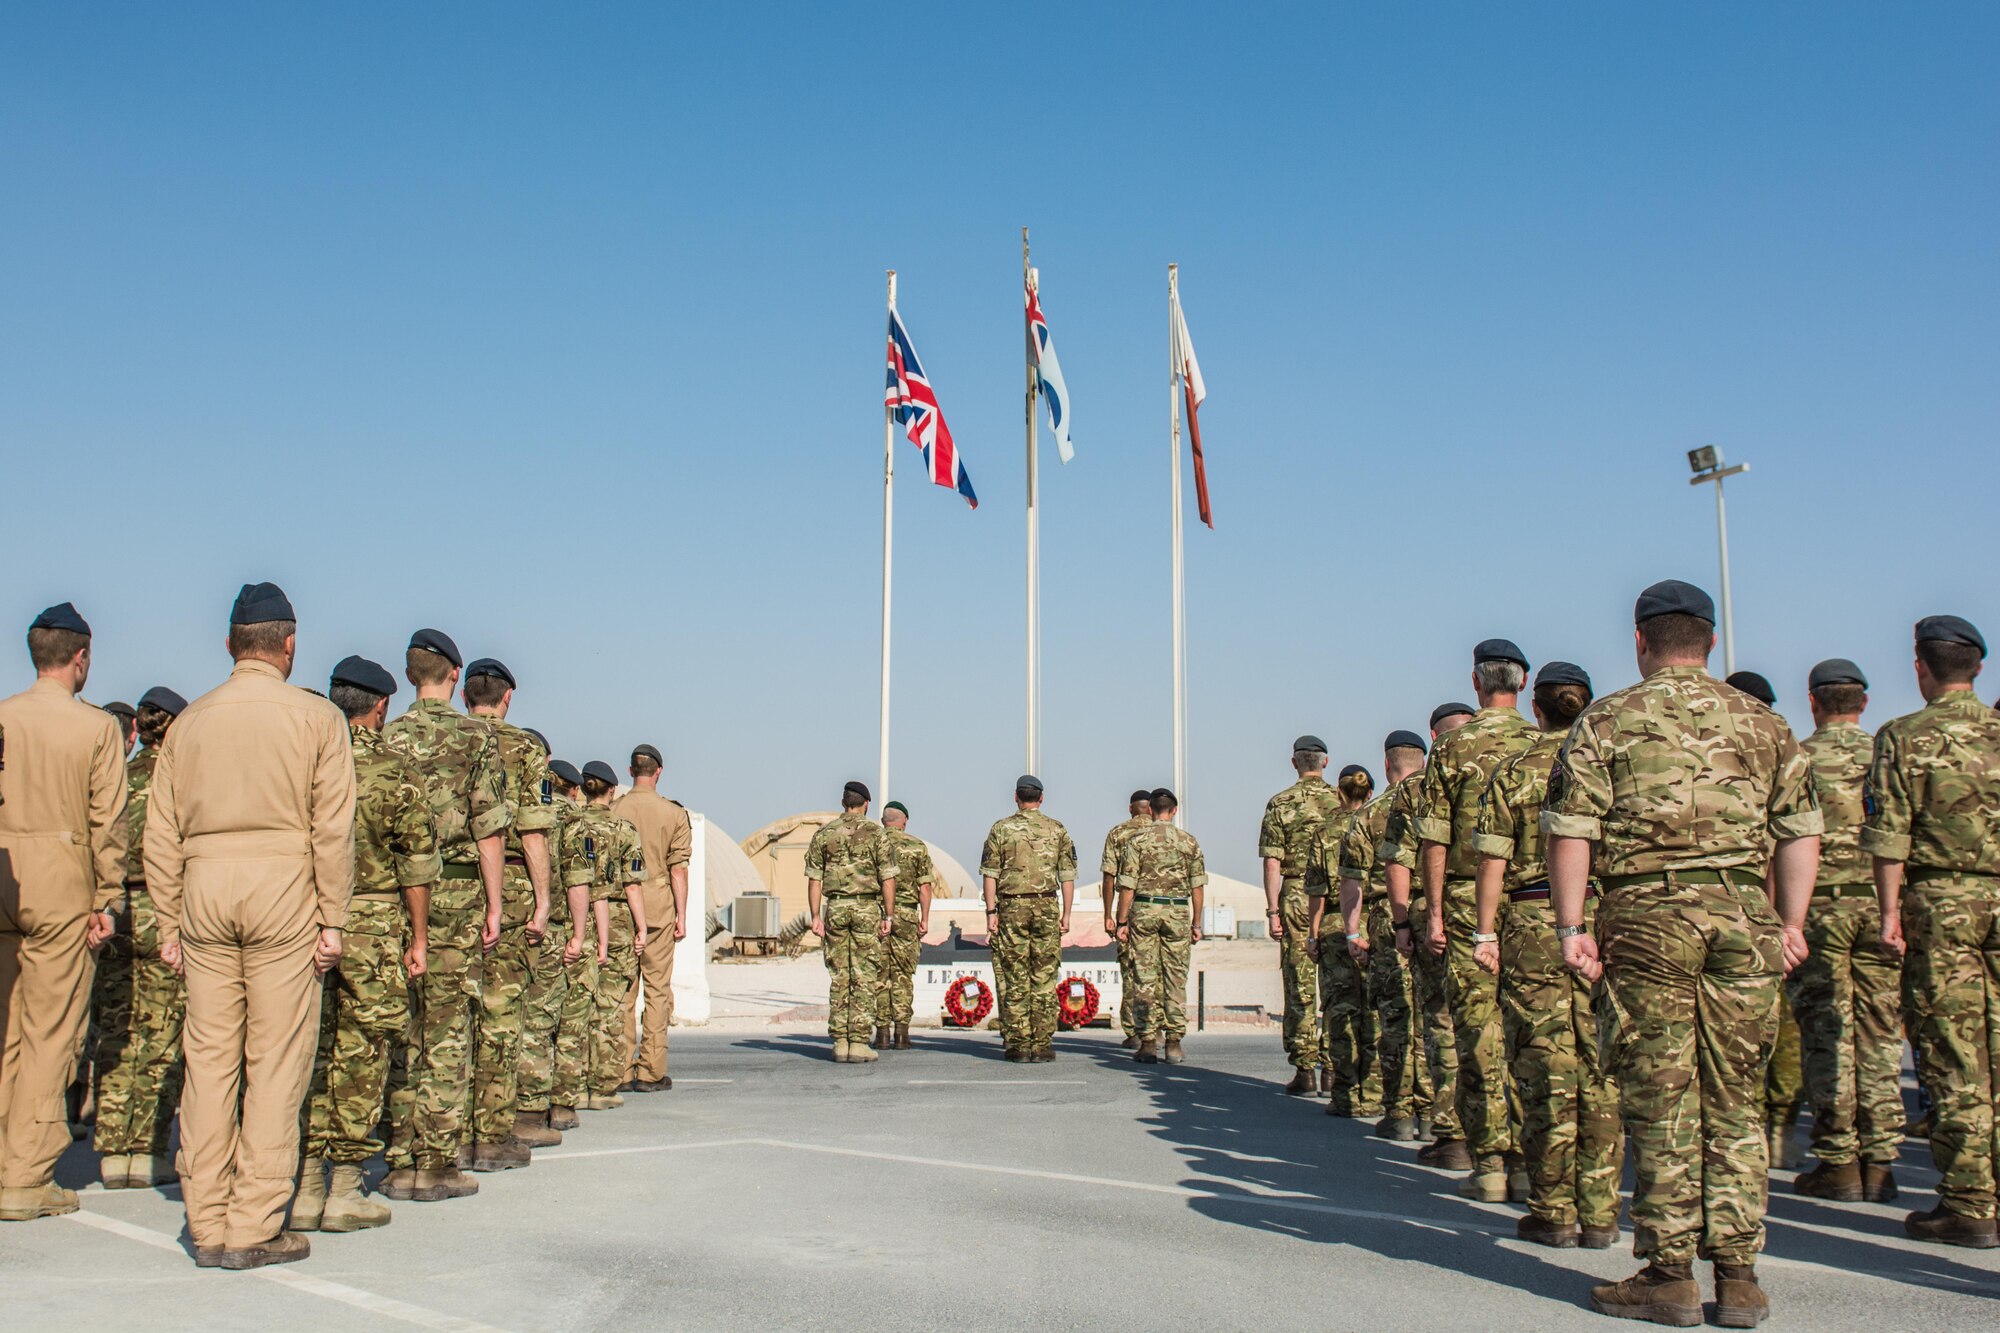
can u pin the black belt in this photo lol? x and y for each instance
(1011, 897)
(1540, 890)
(1156, 898)
(1918, 874)
(1851, 890)
(459, 872)
(852, 897)
(1726, 876)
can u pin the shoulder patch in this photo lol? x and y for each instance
(1868, 799)
(1558, 781)
(548, 791)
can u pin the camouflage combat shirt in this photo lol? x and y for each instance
(1027, 852)
(138, 791)
(1399, 828)
(852, 856)
(913, 867)
(1510, 815)
(1290, 820)
(1680, 772)
(601, 851)
(459, 764)
(1161, 861)
(1934, 787)
(1839, 753)
(1357, 853)
(395, 834)
(1323, 854)
(1114, 841)
(1461, 765)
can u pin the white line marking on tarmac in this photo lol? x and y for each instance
(386, 1306)
(996, 1082)
(679, 1081)
(542, 1156)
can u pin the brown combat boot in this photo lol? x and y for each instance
(1396, 1128)
(286, 1247)
(1015, 1055)
(1042, 1055)
(1739, 1301)
(1303, 1084)
(900, 1039)
(1145, 1055)
(1325, 1081)
(115, 1171)
(434, 1186)
(861, 1053)
(532, 1128)
(560, 1117)
(880, 1040)
(310, 1201)
(208, 1256)
(400, 1184)
(1878, 1182)
(1841, 1183)
(1446, 1155)
(1541, 1231)
(1173, 1054)
(1657, 1294)
(348, 1207)
(1131, 1043)
(148, 1171)
(1599, 1237)
(505, 1155)
(25, 1203)
(1486, 1181)
(1941, 1226)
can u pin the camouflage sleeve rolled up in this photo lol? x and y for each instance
(395, 832)
(1271, 833)
(1399, 830)
(1430, 810)
(1934, 787)
(1065, 857)
(532, 790)
(1499, 828)
(578, 848)
(1510, 825)
(816, 854)
(412, 836)
(1323, 856)
(631, 863)
(989, 853)
(888, 865)
(1197, 864)
(1356, 853)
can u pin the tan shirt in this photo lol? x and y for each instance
(667, 841)
(62, 828)
(255, 769)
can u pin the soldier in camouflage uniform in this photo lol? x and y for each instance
(895, 1001)
(1371, 942)
(1161, 876)
(1848, 992)
(1284, 841)
(1460, 768)
(430, 1102)
(562, 955)
(611, 844)
(1430, 974)
(851, 874)
(524, 923)
(1571, 1140)
(1028, 873)
(1933, 790)
(1139, 808)
(365, 1006)
(1347, 1013)
(1679, 778)
(139, 1001)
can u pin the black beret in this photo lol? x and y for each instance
(1350, 770)
(540, 739)
(1499, 650)
(1753, 684)
(261, 603)
(363, 674)
(651, 752)
(1836, 671)
(490, 666)
(164, 699)
(118, 708)
(1028, 782)
(61, 616)
(1562, 673)
(437, 641)
(600, 770)
(1404, 740)
(1946, 629)
(1443, 711)
(566, 771)
(1671, 597)
(857, 788)
(897, 805)
(1309, 745)
(1163, 794)
(1140, 795)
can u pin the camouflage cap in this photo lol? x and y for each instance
(363, 675)
(166, 700)
(1562, 673)
(1443, 711)
(1403, 740)
(1671, 597)
(62, 615)
(1753, 684)
(260, 604)
(1499, 650)
(1836, 671)
(1951, 629)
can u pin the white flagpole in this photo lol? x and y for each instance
(1034, 536)
(1176, 370)
(888, 542)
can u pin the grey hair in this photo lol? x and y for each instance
(1499, 677)
(1309, 761)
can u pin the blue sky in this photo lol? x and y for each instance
(561, 329)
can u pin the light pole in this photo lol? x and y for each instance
(1707, 464)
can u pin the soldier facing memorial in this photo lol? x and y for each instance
(851, 874)
(1027, 870)
(1284, 841)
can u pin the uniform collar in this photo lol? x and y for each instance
(432, 706)
(256, 666)
(1682, 672)
(50, 685)
(1968, 699)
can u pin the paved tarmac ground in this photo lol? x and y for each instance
(943, 1188)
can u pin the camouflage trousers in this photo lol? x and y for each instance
(1784, 1080)
(364, 1011)
(1951, 977)
(1687, 1015)
(1848, 998)
(1162, 939)
(1430, 976)
(541, 1015)
(1301, 976)
(895, 996)
(1128, 986)
(1405, 1075)
(1571, 1140)
(1027, 954)
(1485, 1103)
(139, 1006)
(1347, 1020)
(569, 1076)
(853, 952)
(496, 1058)
(430, 1098)
(610, 1057)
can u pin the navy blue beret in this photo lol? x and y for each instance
(1499, 650)
(566, 771)
(1562, 673)
(1948, 629)
(164, 699)
(1836, 671)
(1443, 711)
(1027, 782)
(857, 788)
(437, 641)
(1164, 795)
(490, 666)
(118, 708)
(652, 752)
(1400, 739)
(600, 770)
(1753, 684)
(261, 603)
(1141, 795)
(1308, 745)
(61, 616)
(1672, 597)
(363, 674)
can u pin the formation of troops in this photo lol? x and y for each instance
(313, 935)
(1653, 922)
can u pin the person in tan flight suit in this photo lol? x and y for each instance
(62, 867)
(250, 858)
(668, 840)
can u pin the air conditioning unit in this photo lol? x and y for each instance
(1218, 923)
(756, 916)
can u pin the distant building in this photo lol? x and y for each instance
(777, 856)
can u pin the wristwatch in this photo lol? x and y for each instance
(1570, 932)
(1404, 924)
(1478, 938)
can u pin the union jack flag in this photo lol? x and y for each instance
(911, 402)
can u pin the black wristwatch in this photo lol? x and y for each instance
(1404, 924)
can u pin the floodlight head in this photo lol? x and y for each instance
(1705, 459)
